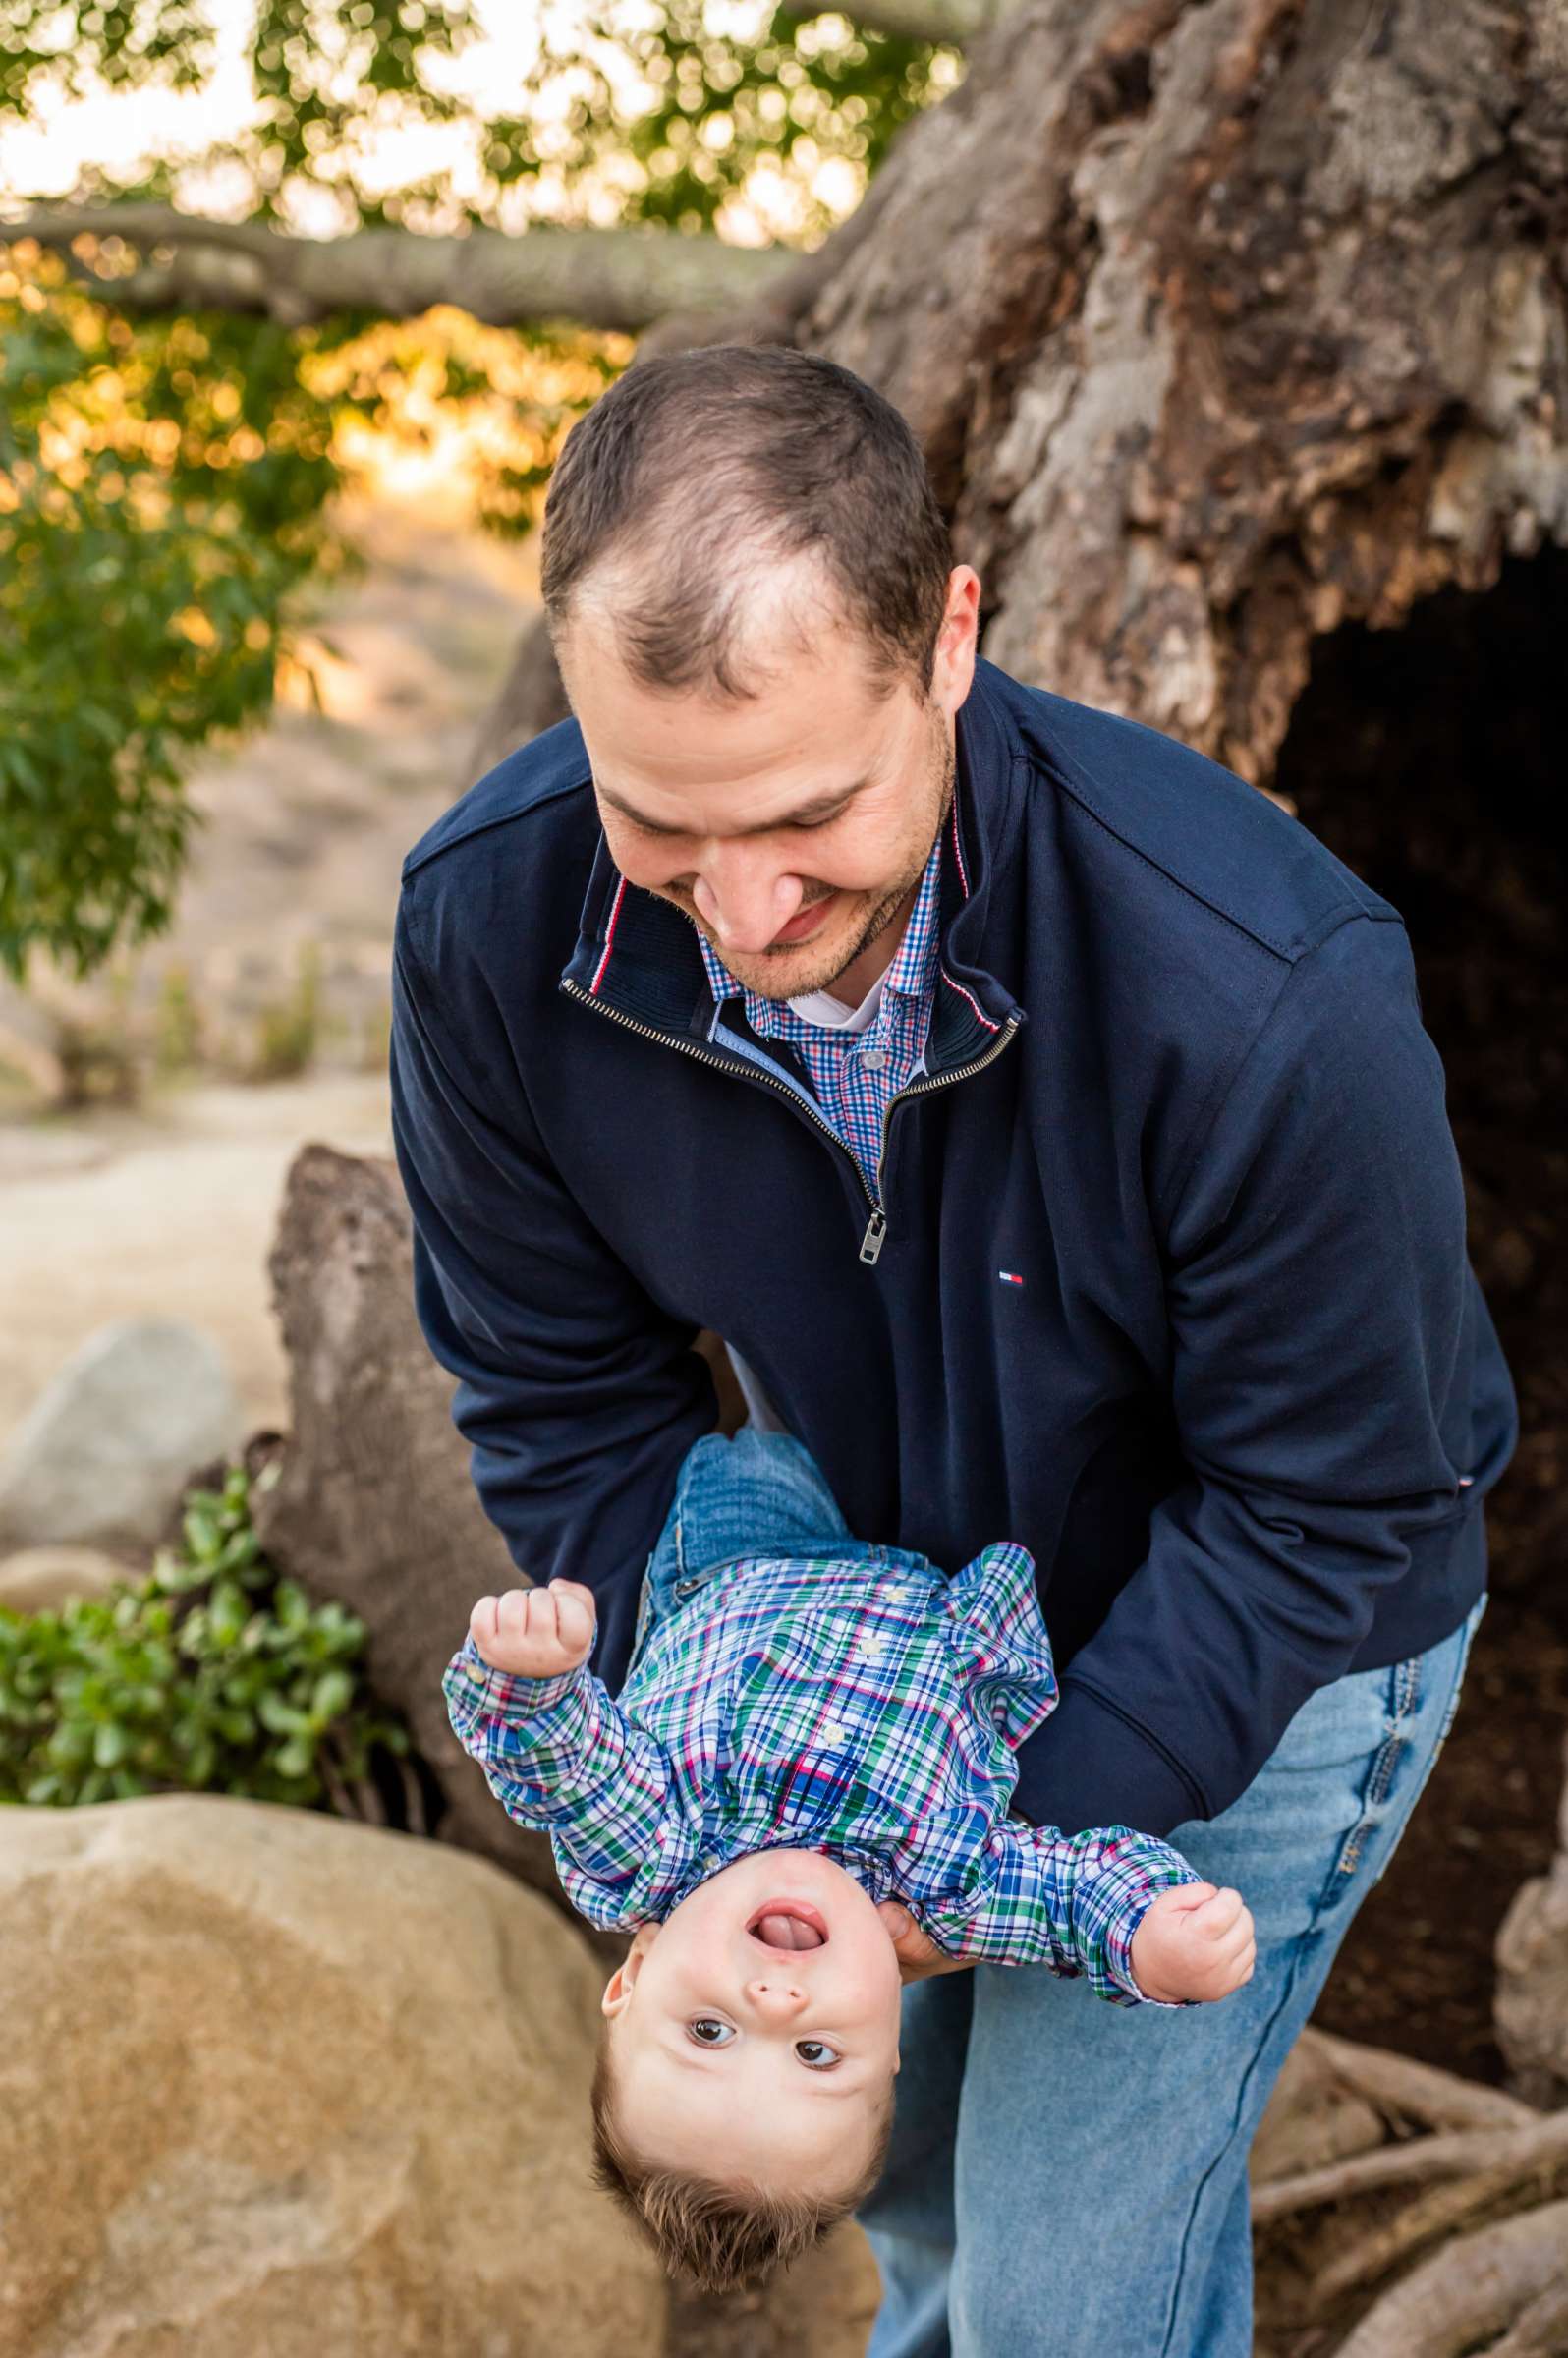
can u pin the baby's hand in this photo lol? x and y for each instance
(535, 1633)
(1194, 1943)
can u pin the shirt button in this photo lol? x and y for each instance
(874, 1059)
(835, 1731)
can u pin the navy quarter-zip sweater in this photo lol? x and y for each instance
(1246, 1401)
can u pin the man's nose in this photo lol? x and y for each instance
(775, 1995)
(745, 903)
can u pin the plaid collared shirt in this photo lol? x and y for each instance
(855, 1075)
(868, 1709)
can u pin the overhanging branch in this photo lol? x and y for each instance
(950, 23)
(606, 278)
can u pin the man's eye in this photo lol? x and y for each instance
(701, 2025)
(820, 2058)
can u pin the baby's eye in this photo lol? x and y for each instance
(821, 2057)
(702, 2024)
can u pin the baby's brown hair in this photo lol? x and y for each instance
(717, 2238)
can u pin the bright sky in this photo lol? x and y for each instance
(120, 132)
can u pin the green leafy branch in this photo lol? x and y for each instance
(212, 1675)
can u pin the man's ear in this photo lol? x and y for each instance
(617, 1989)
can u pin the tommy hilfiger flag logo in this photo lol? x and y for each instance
(1009, 1277)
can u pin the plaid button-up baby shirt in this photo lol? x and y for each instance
(867, 1709)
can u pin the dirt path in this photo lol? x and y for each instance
(169, 1215)
(169, 1208)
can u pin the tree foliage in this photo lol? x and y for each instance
(165, 482)
(163, 489)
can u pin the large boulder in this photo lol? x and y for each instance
(273, 2082)
(106, 1449)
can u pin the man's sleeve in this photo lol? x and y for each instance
(1321, 1317)
(578, 1395)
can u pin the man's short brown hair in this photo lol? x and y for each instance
(698, 472)
(716, 2236)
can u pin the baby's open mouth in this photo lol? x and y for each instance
(788, 1923)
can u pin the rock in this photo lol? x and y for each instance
(374, 1503)
(104, 1453)
(282, 2084)
(39, 1580)
(1530, 2009)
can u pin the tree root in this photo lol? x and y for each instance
(1407, 2162)
(1407, 2091)
(1484, 2284)
(1541, 2329)
(1538, 2154)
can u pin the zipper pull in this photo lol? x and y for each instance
(871, 1241)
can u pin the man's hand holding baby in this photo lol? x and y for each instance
(535, 1633)
(1194, 1943)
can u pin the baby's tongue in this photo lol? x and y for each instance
(788, 1931)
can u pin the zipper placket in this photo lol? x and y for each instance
(876, 1229)
(877, 1226)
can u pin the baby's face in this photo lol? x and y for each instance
(756, 2027)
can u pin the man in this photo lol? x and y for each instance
(1046, 1121)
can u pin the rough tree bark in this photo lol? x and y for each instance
(1220, 325)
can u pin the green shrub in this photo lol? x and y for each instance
(179, 1040)
(288, 1031)
(214, 1673)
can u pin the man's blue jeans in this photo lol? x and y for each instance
(1068, 2178)
(758, 1492)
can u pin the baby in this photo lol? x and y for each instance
(816, 1735)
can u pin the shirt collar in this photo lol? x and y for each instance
(913, 970)
(636, 957)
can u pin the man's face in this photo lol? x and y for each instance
(791, 828)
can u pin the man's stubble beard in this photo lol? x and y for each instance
(881, 915)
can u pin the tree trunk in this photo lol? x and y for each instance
(1220, 325)
(374, 1503)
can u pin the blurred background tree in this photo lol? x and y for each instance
(182, 345)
